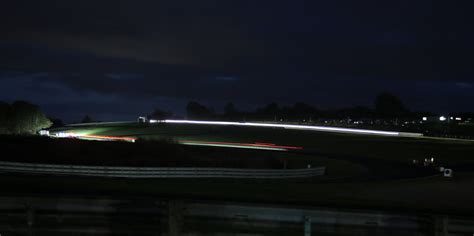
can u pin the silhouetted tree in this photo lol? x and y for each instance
(229, 109)
(26, 118)
(159, 114)
(270, 111)
(301, 111)
(87, 119)
(356, 112)
(388, 105)
(56, 122)
(195, 110)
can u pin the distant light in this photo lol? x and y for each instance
(458, 118)
(153, 121)
(141, 119)
(442, 118)
(425, 118)
(451, 117)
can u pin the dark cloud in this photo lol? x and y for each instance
(341, 36)
(323, 52)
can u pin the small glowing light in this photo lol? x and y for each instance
(425, 118)
(153, 121)
(451, 117)
(458, 118)
(442, 118)
(141, 119)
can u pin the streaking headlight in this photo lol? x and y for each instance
(61, 134)
(44, 132)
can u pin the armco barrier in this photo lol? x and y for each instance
(160, 172)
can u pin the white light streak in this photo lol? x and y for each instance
(92, 137)
(302, 127)
(232, 146)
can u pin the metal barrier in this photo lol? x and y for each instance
(160, 172)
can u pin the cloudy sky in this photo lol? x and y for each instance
(116, 59)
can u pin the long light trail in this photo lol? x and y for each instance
(232, 146)
(260, 146)
(107, 138)
(301, 127)
(93, 137)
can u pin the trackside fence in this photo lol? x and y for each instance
(159, 172)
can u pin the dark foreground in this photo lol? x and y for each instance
(368, 191)
(66, 215)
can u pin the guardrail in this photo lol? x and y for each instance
(160, 172)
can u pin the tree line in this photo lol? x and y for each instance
(386, 106)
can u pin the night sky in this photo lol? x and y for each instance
(116, 59)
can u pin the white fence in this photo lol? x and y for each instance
(160, 172)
